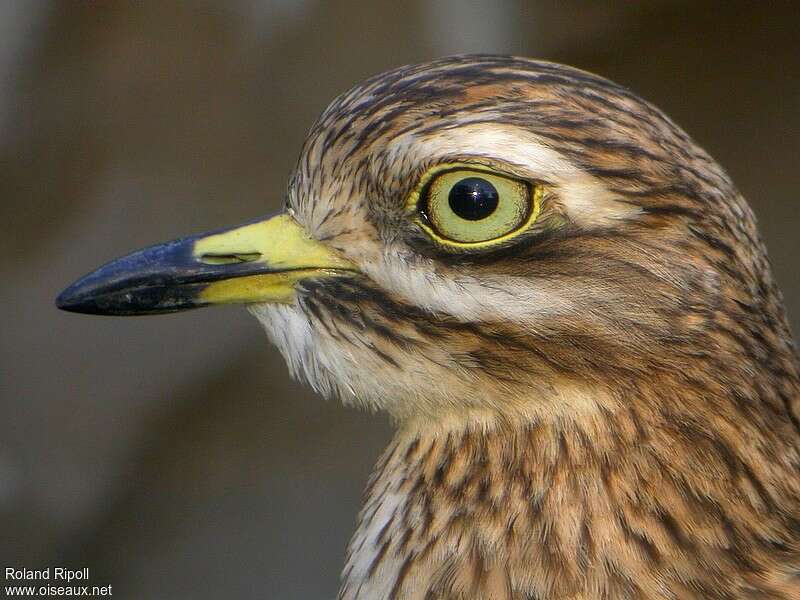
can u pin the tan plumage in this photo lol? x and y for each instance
(640, 443)
(605, 404)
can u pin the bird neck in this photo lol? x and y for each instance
(552, 508)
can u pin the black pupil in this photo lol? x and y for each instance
(473, 198)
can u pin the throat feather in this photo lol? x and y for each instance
(552, 510)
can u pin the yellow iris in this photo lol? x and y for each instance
(473, 208)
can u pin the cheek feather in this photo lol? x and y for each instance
(467, 298)
(351, 340)
(357, 364)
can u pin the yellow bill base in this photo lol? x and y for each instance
(275, 288)
(279, 242)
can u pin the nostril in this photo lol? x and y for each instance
(229, 259)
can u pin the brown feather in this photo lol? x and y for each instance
(643, 442)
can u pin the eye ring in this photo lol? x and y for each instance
(463, 206)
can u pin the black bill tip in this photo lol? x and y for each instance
(159, 279)
(85, 298)
(73, 300)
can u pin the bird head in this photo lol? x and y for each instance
(481, 234)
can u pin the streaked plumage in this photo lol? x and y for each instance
(606, 405)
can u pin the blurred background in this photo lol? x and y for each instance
(172, 455)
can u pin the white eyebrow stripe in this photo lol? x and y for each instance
(587, 201)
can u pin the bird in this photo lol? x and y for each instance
(566, 308)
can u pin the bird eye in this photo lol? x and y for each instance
(470, 206)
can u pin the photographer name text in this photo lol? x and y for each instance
(48, 574)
